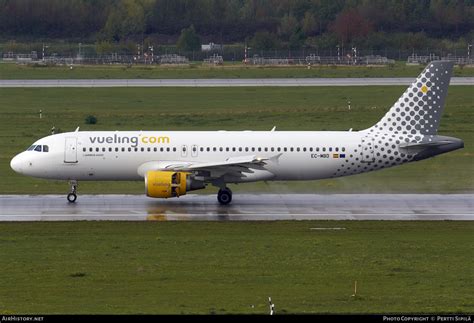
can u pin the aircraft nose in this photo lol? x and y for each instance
(17, 164)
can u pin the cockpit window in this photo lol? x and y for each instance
(31, 148)
(45, 148)
(38, 148)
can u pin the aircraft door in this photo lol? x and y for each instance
(194, 151)
(368, 155)
(70, 150)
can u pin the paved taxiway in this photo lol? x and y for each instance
(223, 82)
(244, 207)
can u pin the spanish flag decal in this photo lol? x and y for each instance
(335, 155)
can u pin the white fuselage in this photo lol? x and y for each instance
(117, 155)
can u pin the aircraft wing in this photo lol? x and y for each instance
(230, 167)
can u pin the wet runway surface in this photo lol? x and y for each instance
(375, 81)
(244, 207)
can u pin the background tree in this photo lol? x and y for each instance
(264, 40)
(372, 23)
(189, 40)
(309, 25)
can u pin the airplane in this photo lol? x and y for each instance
(172, 163)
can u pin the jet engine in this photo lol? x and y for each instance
(164, 184)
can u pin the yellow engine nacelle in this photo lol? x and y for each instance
(164, 184)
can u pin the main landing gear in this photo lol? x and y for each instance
(72, 196)
(224, 196)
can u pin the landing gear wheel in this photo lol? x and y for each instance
(224, 196)
(71, 197)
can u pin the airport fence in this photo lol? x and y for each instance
(238, 55)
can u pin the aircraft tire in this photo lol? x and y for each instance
(224, 196)
(71, 198)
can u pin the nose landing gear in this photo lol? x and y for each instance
(224, 196)
(72, 196)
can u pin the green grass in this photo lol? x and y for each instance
(233, 267)
(233, 109)
(197, 70)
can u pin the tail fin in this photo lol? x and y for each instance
(418, 111)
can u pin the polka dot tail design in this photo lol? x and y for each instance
(411, 123)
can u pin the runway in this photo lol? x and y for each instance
(382, 81)
(244, 207)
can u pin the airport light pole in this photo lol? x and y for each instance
(44, 46)
(151, 48)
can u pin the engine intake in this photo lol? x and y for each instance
(165, 184)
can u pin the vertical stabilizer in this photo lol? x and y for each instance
(419, 109)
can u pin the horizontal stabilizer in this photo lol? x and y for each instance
(435, 145)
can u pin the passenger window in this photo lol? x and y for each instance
(324, 148)
(298, 149)
(174, 148)
(103, 150)
(123, 148)
(129, 149)
(304, 148)
(310, 148)
(83, 149)
(233, 148)
(136, 149)
(253, 148)
(317, 148)
(110, 149)
(208, 149)
(221, 149)
(214, 149)
(90, 149)
(148, 149)
(343, 149)
(266, 149)
(201, 149)
(291, 149)
(284, 149)
(240, 148)
(259, 148)
(155, 149)
(161, 149)
(142, 149)
(336, 149)
(168, 149)
(330, 148)
(246, 148)
(97, 149)
(272, 149)
(227, 149)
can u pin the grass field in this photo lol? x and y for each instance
(233, 109)
(197, 70)
(233, 267)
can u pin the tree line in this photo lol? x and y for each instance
(265, 24)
